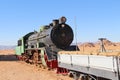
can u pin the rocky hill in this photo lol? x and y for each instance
(106, 43)
(94, 44)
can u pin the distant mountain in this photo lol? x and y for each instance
(4, 47)
(105, 42)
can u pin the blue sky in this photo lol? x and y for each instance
(94, 18)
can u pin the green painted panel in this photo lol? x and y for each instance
(20, 49)
(41, 29)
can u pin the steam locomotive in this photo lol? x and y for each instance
(42, 47)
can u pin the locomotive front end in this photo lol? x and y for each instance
(62, 35)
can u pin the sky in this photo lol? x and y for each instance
(89, 19)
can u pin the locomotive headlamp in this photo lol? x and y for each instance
(62, 25)
(63, 19)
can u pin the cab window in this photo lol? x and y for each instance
(19, 42)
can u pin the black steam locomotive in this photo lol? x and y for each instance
(42, 47)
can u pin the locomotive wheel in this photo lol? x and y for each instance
(25, 57)
(35, 58)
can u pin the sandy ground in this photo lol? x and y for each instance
(12, 69)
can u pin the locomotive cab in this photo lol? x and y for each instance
(22, 44)
(20, 48)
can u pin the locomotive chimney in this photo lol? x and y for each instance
(55, 22)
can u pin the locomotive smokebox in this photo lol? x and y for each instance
(62, 35)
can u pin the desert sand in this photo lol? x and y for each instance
(12, 69)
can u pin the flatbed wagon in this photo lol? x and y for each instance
(91, 67)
